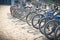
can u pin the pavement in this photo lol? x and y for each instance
(15, 29)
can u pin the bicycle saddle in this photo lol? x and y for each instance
(28, 6)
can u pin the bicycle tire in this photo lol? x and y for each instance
(37, 20)
(55, 36)
(30, 18)
(45, 20)
(48, 35)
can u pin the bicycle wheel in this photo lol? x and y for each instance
(23, 16)
(29, 18)
(35, 20)
(13, 11)
(49, 29)
(42, 23)
(57, 33)
(22, 13)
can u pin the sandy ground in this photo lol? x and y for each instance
(15, 29)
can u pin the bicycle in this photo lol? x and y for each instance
(22, 12)
(34, 12)
(54, 21)
(44, 20)
(45, 14)
(31, 14)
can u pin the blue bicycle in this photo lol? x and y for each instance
(51, 26)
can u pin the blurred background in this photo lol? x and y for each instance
(5, 2)
(8, 2)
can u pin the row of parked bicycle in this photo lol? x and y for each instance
(41, 16)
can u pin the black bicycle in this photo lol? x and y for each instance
(45, 14)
